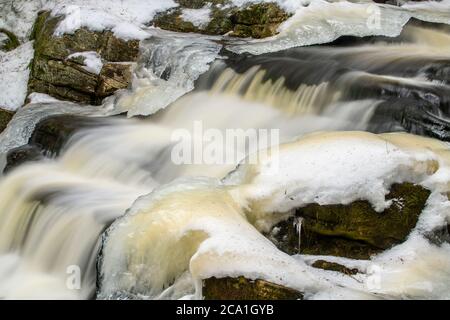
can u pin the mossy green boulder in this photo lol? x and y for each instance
(355, 230)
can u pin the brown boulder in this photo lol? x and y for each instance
(245, 289)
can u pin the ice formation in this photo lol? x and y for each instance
(210, 229)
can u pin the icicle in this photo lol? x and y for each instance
(298, 221)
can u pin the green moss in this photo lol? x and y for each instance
(258, 14)
(12, 42)
(355, 230)
(245, 289)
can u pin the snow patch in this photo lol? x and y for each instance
(198, 17)
(125, 18)
(92, 61)
(14, 74)
(37, 97)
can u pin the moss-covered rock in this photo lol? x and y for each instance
(245, 289)
(355, 230)
(53, 73)
(5, 118)
(257, 20)
(12, 41)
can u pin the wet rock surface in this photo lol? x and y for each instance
(48, 139)
(52, 133)
(54, 73)
(21, 155)
(355, 230)
(245, 289)
(406, 114)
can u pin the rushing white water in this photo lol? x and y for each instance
(77, 195)
(52, 221)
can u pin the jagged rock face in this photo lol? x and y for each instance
(55, 74)
(355, 230)
(256, 21)
(245, 289)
